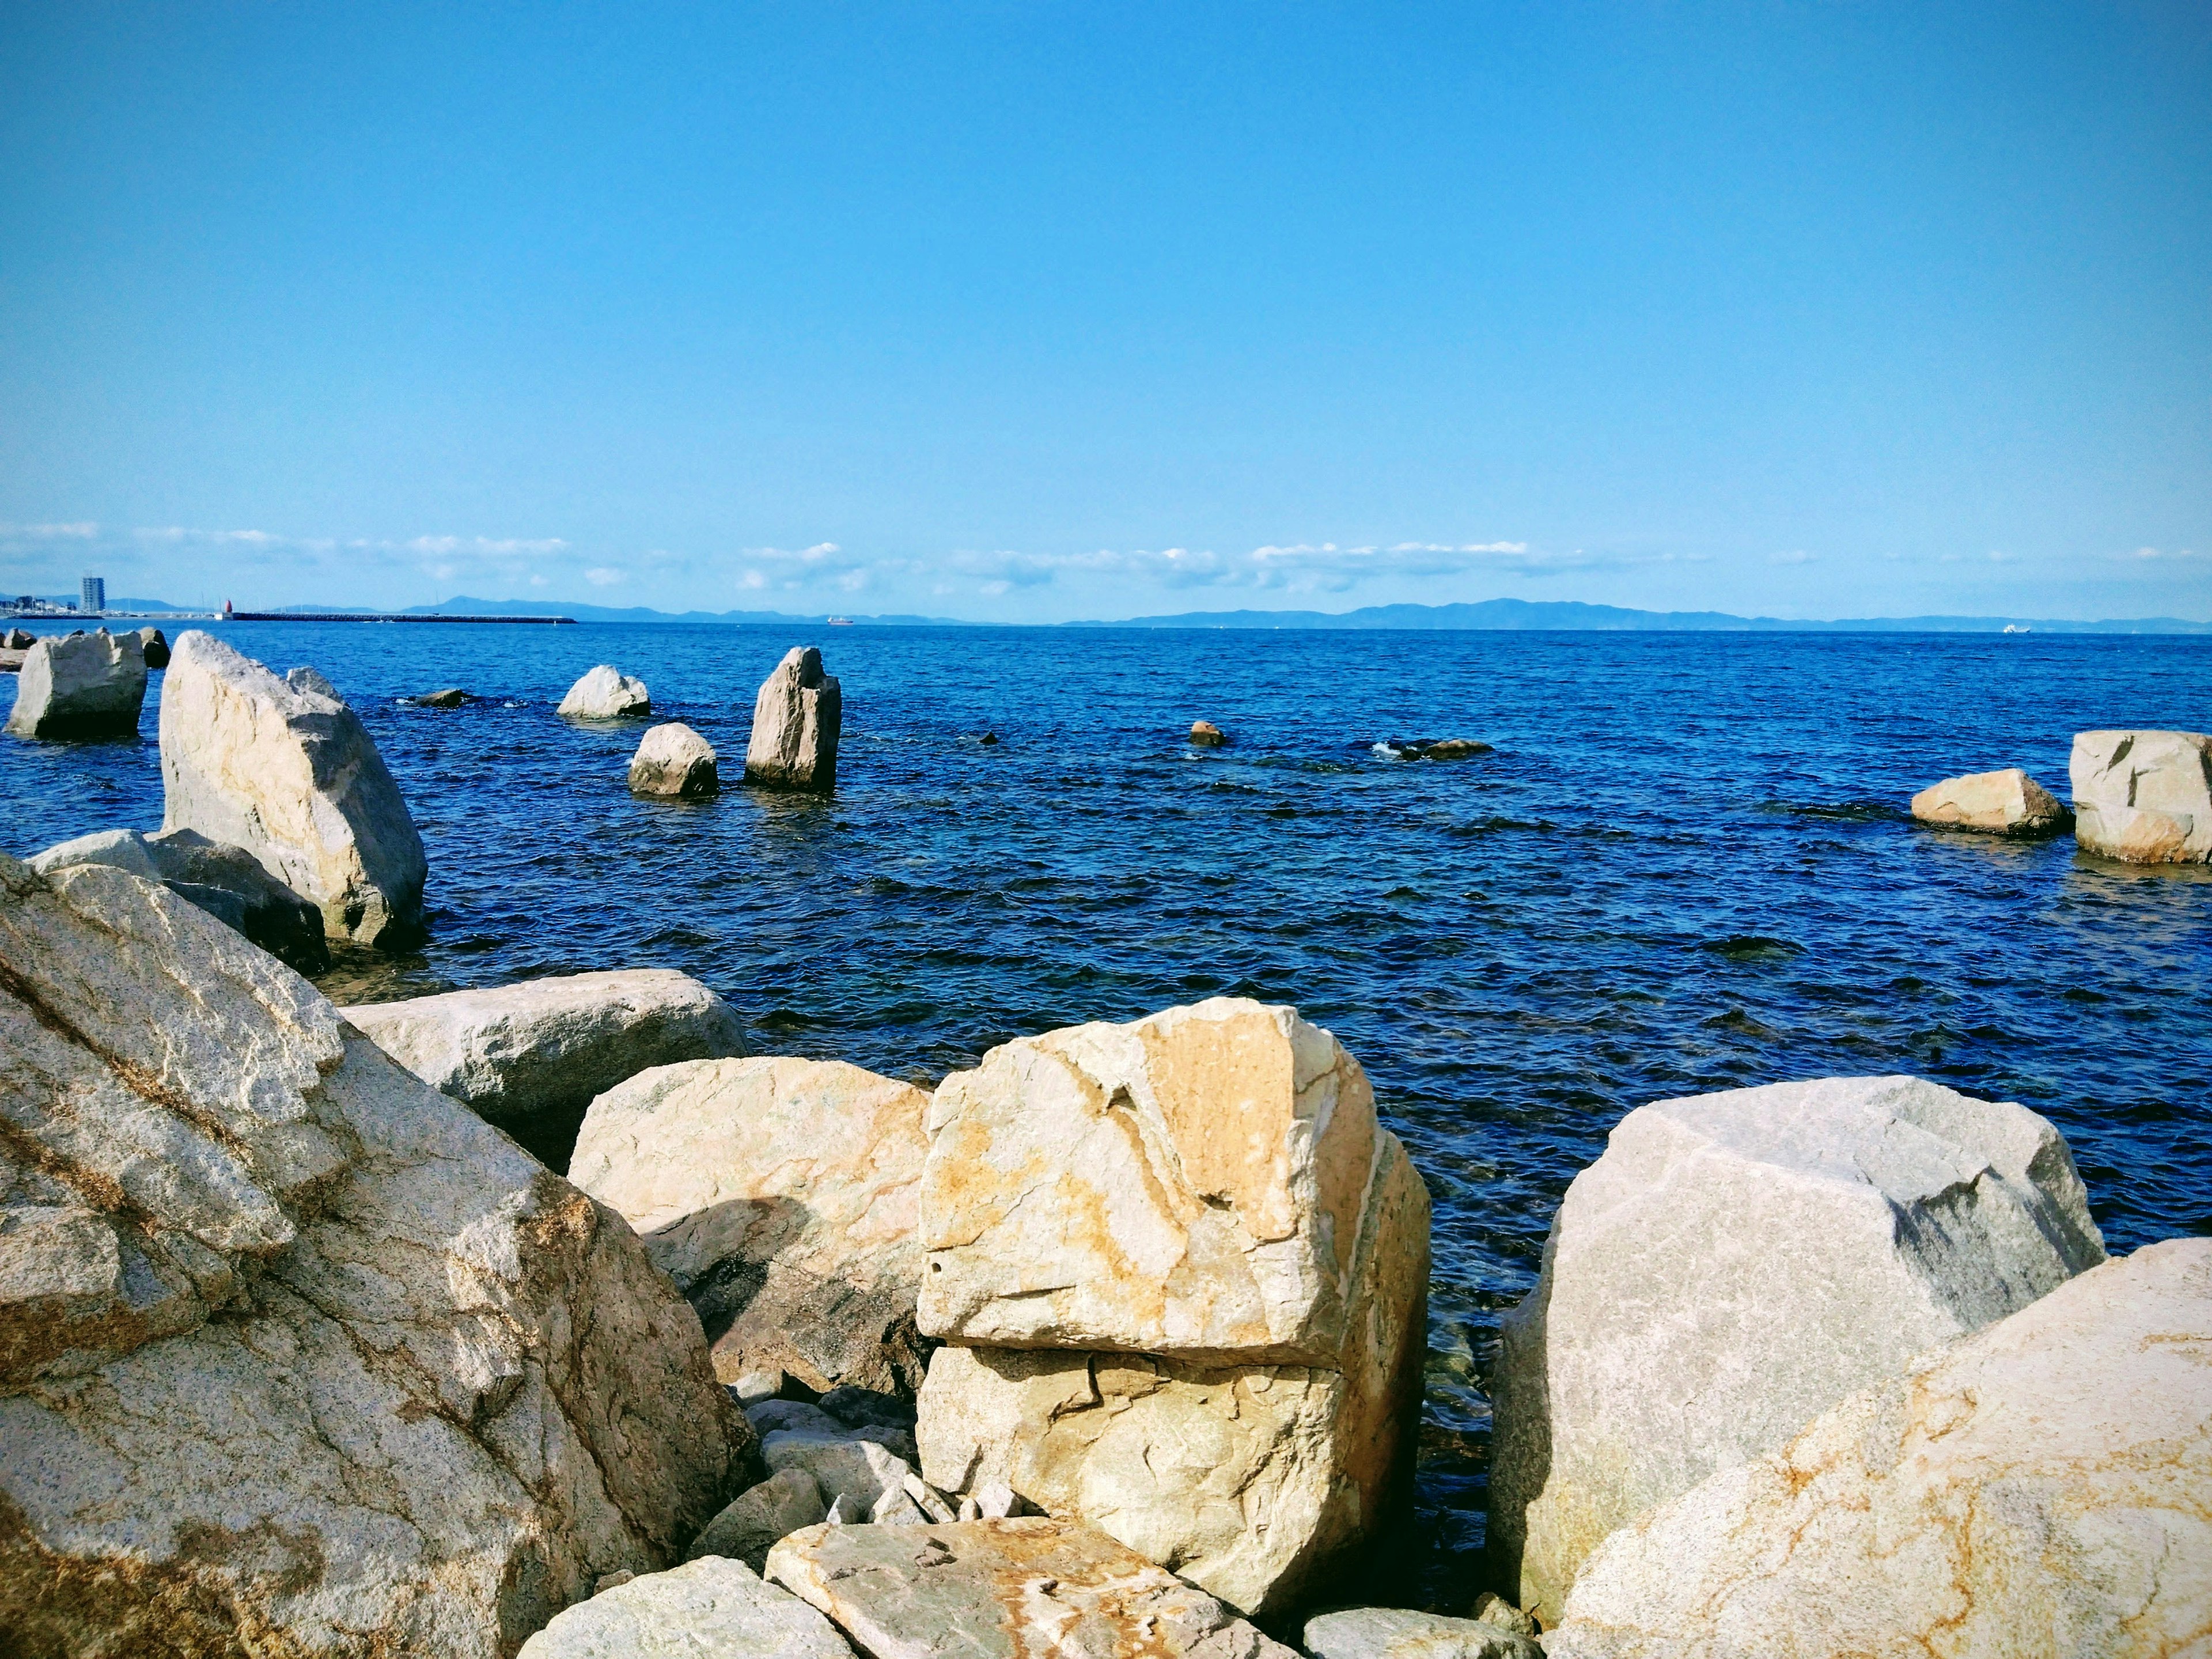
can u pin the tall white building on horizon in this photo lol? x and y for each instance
(92, 595)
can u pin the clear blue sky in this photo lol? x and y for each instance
(1036, 312)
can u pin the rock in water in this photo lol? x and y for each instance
(781, 1197)
(796, 719)
(1398, 1634)
(2007, 803)
(79, 685)
(296, 1355)
(1737, 1263)
(674, 760)
(283, 769)
(2143, 797)
(710, 1609)
(225, 882)
(451, 697)
(1005, 1588)
(1227, 1255)
(529, 1057)
(1205, 734)
(605, 693)
(154, 646)
(2037, 1488)
(20, 638)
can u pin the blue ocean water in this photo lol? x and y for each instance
(1687, 867)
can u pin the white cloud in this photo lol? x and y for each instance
(45, 532)
(2156, 553)
(1795, 556)
(601, 576)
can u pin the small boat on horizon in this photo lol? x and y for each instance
(840, 622)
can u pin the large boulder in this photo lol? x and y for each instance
(227, 882)
(781, 1195)
(296, 1355)
(1184, 1269)
(1737, 1263)
(2007, 803)
(154, 645)
(79, 685)
(531, 1056)
(674, 760)
(796, 719)
(1402, 1633)
(1005, 1588)
(606, 694)
(2039, 1488)
(2143, 797)
(283, 769)
(710, 1608)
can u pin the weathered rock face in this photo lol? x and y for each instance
(2038, 1487)
(1733, 1265)
(283, 769)
(79, 685)
(708, 1609)
(2143, 797)
(529, 1057)
(606, 693)
(154, 646)
(782, 1196)
(2007, 803)
(1006, 1589)
(760, 1516)
(294, 1354)
(1224, 1259)
(225, 882)
(796, 719)
(674, 760)
(19, 639)
(1400, 1633)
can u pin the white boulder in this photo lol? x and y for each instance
(2007, 803)
(2143, 797)
(79, 685)
(1737, 1263)
(1402, 1633)
(606, 694)
(796, 719)
(781, 1195)
(709, 1609)
(2039, 1488)
(227, 882)
(673, 760)
(296, 1354)
(283, 769)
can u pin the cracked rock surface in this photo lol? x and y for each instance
(297, 1356)
(79, 685)
(2007, 803)
(711, 1608)
(2042, 1486)
(2143, 797)
(797, 715)
(1737, 1263)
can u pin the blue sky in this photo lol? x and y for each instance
(1039, 311)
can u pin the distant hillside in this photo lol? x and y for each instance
(1560, 614)
(464, 606)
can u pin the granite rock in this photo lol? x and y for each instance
(79, 685)
(1205, 734)
(154, 646)
(676, 761)
(2007, 803)
(796, 717)
(227, 882)
(860, 1472)
(756, 1518)
(606, 693)
(2143, 797)
(709, 1609)
(1402, 1633)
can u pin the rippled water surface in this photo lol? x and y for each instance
(1687, 867)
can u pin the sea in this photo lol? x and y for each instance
(1686, 864)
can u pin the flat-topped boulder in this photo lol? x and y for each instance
(606, 694)
(2143, 797)
(1737, 1263)
(227, 882)
(79, 685)
(1402, 1633)
(2038, 1487)
(2007, 803)
(296, 1354)
(796, 717)
(531, 1056)
(1002, 1589)
(674, 760)
(709, 1609)
(782, 1196)
(283, 769)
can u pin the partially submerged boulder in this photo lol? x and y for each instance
(296, 1355)
(283, 769)
(1014, 1586)
(451, 696)
(531, 1056)
(79, 685)
(1402, 1633)
(227, 882)
(781, 1195)
(676, 761)
(1736, 1263)
(1205, 734)
(606, 694)
(2007, 803)
(796, 717)
(709, 1609)
(153, 645)
(2038, 1487)
(2143, 797)
(1435, 748)
(1200, 1214)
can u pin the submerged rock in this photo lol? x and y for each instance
(2038, 1487)
(674, 760)
(1400, 1633)
(79, 685)
(2007, 803)
(606, 693)
(1736, 1263)
(1432, 748)
(153, 645)
(710, 1608)
(531, 1056)
(1205, 734)
(781, 1195)
(451, 697)
(796, 717)
(2143, 797)
(283, 769)
(225, 882)
(296, 1355)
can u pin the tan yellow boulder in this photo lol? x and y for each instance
(2007, 803)
(2143, 797)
